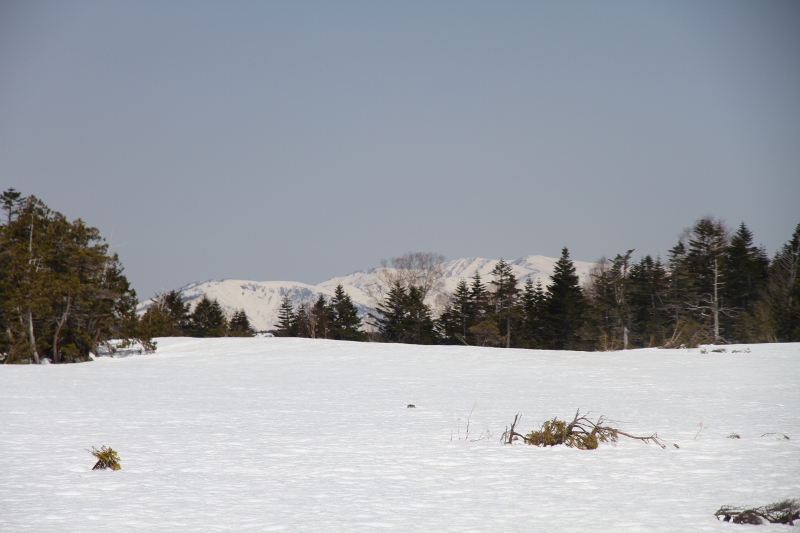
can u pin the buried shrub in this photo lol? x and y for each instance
(106, 458)
(581, 433)
(782, 512)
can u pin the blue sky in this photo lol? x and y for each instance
(303, 140)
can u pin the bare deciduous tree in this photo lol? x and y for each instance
(422, 270)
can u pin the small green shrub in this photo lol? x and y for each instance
(555, 432)
(106, 458)
(581, 433)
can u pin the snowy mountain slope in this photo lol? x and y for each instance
(261, 299)
(304, 435)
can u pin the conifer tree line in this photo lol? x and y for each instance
(716, 286)
(62, 293)
(337, 319)
(170, 316)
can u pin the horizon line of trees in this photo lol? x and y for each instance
(171, 316)
(716, 287)
(63, 295)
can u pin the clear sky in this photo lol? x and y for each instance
(304, 140)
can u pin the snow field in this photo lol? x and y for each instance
(301, 435)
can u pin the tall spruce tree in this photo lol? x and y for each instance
(322, 318)
(286, 319)
(392, 312)
(745, 273)
(504, 298)
(565, 307)
(783, 293)
(208, 319)
(647, 295)
(239, 325)
(345, 322)
(708, 241)
(454, 323)
(532, 308)
(404, 316)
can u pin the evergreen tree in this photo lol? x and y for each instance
(783, 292)
(168, 316)
(61, 293)
(393, 312)
(532, 307)
(708, 241)
(302, 323)
(647, 295)
(454, 323)
(602, 319)
(286, 319)
(239, 326)
(745, 273)
(504, 297)
(208, 319)
(480, 300)
(321, 317)
(405, 317)
(565, 306)
(418, 325)
(345, 322)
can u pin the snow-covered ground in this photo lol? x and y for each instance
(304, 435)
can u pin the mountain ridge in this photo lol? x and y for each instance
(261, 300)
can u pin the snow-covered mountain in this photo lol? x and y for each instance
(261, 300)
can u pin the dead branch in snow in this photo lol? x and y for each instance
(581, 433)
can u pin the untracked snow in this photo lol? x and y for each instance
(271, 434)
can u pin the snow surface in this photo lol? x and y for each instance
(261, 300)
(272, 434)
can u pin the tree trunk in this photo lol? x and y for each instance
(624, 337)
(60, 324)
(508, 332)
(715, 303)
(32, 337)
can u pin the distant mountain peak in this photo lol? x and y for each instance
(262, 299)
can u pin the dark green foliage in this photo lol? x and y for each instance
(648, 292)
(286, 326)
(345, 322)
(782, 302)
(504, 299)
(208, 319)
(532, 327)
(405, 317)
(61, 293)
(456, 319)
(565, 307)
(480, 299)
(168, 316)
(106, 458)
(745, 273)
(337, 320)
(320, 319)
(555, 432)
(581, 433)
(239, 325)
